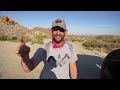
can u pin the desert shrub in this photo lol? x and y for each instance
(27, 39)
(37, 39)
(67, 38)
(76, 38)
(107, 43)
(12, 38)
(3, 37)
(46, 36)
(94, 44)
(73, 39)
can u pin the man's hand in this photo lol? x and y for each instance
(22, 50)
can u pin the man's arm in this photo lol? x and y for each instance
(73, 70)
(26, 63)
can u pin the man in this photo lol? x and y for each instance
(59, 57)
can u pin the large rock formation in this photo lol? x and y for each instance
(10, 27)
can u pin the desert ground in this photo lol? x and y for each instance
(88, 64)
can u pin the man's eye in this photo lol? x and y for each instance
(61, 30)
(54, 30)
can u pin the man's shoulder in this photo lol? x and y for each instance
(69, 44)
(47, 44)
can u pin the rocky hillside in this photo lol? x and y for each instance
(10, 27)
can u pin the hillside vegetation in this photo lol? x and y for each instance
(105, 43)
(10, 30)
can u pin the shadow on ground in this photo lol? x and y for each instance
(89, 66)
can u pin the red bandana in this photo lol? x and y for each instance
(55, 45)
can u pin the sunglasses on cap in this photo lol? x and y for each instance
(58, 28)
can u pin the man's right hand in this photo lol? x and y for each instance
(22, 50)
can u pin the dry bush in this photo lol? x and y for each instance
(3, 37)
(107, 43)
(74, 38)
(37, 39)
(12, 38)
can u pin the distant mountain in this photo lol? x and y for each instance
(37, 30)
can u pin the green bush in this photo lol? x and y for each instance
(37, 39)
(93, 44)
(26, 39)
(3, 37)
(107, 43)
(14, 38)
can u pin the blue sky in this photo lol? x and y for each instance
(78, 22)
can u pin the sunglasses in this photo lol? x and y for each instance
(58, 28)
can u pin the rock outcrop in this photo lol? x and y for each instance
(10, 27)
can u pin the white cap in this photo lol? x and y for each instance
(60, 23)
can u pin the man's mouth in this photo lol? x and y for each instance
(58, 37)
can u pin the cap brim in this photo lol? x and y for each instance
(58, 27)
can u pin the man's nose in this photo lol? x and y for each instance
(58, 32)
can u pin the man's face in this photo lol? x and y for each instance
(58, 34)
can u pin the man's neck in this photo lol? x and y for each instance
(58, 45)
